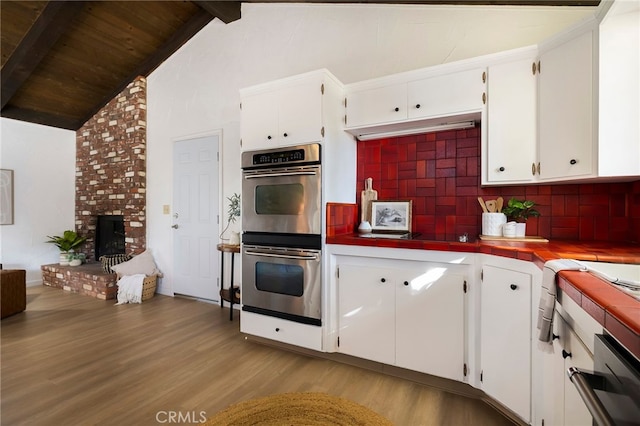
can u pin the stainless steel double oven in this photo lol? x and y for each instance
(282, 227)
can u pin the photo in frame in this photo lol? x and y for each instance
(387, 215)
(6, 197)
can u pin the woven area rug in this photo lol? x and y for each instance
(305, 408)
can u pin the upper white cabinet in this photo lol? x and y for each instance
(290, 111)
(566, 109)
(384, 104)
(410, 317)
(446, 95)
(510, 146)
(419, 98)
(505, 337)
(619, 91)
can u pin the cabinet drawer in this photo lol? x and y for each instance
(293, 333)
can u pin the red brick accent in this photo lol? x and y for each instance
(440, 172)
(88, 279)
(111, 168)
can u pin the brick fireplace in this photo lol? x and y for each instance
(111, 168)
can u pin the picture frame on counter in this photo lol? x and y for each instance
(391, 215)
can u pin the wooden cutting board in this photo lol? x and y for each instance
(369, 194)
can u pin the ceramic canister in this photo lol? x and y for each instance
(492, 224)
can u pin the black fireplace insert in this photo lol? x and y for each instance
(109, 235)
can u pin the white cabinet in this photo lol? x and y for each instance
(419, 98)
(619, 91)
(567, 117)
(380, 105)
(290, 111)
(505, 336)
(510, 148)
(562, 403)
(411, 317)
(446, 95)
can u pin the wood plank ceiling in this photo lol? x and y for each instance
(62, 61)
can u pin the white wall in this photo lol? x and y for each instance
(43, 161)
(196, 90)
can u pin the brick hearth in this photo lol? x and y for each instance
(88, 279)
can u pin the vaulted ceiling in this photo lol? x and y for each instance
(62, 61)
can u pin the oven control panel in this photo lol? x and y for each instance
(303, 154)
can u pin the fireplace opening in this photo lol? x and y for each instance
(109, 235)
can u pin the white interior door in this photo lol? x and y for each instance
(195, 212)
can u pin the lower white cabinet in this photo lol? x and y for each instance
(505, 338)
(562, 404)
(281, 330)
(409, 317)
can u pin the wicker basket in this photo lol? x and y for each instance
(149, 285)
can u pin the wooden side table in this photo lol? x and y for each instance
(228, 294)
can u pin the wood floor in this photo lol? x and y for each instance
(75, 360)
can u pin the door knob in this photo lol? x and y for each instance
(175, 226)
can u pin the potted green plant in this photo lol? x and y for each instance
(66, 243)
(233, 213)
(520, 211)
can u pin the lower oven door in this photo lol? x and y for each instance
(282, 282)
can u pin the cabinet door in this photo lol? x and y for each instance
(445, 95)
(376, 106)
(512, 122)
(575, 355)
(259, 120)
(505, 335)
(366, 309)
(566, 109)
(430, 322)
(300, 113)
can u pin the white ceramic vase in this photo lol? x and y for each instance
(521, 229)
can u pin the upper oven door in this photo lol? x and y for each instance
(282, 200)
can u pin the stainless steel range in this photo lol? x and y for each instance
(282, 227)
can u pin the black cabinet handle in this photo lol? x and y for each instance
(573, 161)
(501, 169)
(417, 105)
(285, 135)
(513, 287)
(396, 109)
(269, 137)
(382, 280)
(554, 336)
(566, 354)
(277, 329)
(406, 283)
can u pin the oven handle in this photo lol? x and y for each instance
(282, 174)
(283, 256)
(580, 380)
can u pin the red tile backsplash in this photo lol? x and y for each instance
(440, 172)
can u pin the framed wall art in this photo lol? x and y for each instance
(391, 215)
(6, 197)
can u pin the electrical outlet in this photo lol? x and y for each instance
(166, 209)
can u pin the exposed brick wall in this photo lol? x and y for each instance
(440, 172)
(111, 168)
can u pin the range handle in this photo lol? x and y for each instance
(282, 256)
(585, 384)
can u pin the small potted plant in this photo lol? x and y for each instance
(233, 213)
(66, 243)
(519, 211)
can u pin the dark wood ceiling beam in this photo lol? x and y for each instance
(45, 31)
(40, 117)
(226, 11)
(180, 37)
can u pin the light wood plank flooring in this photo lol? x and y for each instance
(75, 360)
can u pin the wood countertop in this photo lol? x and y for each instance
(615, 310)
